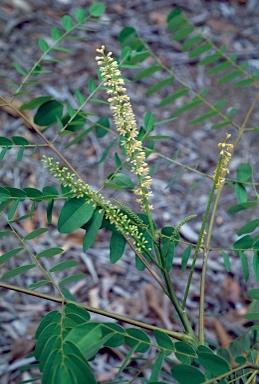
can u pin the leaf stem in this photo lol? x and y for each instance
(197, 249)
(204, 267)
(181, 313)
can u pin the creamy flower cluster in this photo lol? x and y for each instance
(114, 215)
(125, 122)
(202, 241)
(79, 188)
(225, 157)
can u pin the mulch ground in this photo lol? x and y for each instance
(120, 288)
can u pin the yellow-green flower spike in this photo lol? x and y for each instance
(125, 122)
(225, 157)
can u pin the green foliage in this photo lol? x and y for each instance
(67, 341)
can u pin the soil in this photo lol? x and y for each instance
(119, 287)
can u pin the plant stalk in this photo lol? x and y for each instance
(176, 335)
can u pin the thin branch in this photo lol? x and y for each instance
(175, 335)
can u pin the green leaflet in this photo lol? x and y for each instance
(211, 362)
(160, 85)
(176, 95)
(222, 66)
(74, 214)
(185, 257)
(246, 242)
(147, 72)
(182, 373)
(19, 69)
(203, 117)
(138, 339)
(200, 49)
(92, 227)
(43, 45)
(49, 192)
(244, 82)
(64, 265)
(12, 209)
(138, 57)
(157, 367)
(221, 124)
(226, 261)
(73, 123)
(48, 112)
(230, 76)
(97, 9)
(17, 271)
(56, 34)
(244, 172)
(256, 264)
(248, 227)
(125, 53)
(18, 140)
(117, 246)
(149, 121)
(50, 206)
(88, 338)
(128, 37)
(191, 42)
(240, 207)
(72, 279)
(16, 193)
(123, 181)
(80, 136)
(107, 150)
(35, 233)
(210, 59)
(33, 194)
(184, 352)
(164, 341)
(187, 107)
(244, 264)
(169, 240)
(3, 153)
(6, 256)
(183, 32)
(67, 22)
(5, 233)
(118, 334)
(75, 314)
(102, 127)
(253, 294)
(39, 284)
(50, 252)
(80, 15)
(241, 193)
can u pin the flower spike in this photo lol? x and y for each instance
(126, 124)
(225, 157)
